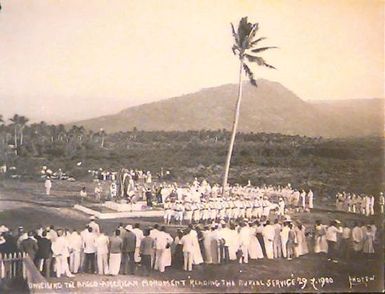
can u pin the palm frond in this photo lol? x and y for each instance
(258, 40)
(252, 58)
(244, 29)
(236, 38)
(269, 65)
(259, 60)
(235, 48)
(249, 74)
(257, 50)
(253, 32)
(14, 118)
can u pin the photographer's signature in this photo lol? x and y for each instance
(360, 280)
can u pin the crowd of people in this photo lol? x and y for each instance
(65, 252)
(359, 203)
(205, 199)
(239, 224)
(136, 185)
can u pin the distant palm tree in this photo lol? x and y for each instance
(244, 47)
(22, 123)
(3, 130)
(61, 132)
(102, 134)
(90, 135)
(82, 132)
(15, 125)
(76, 133)
(52, 132)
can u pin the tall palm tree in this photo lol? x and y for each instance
(22, 123)
(15, 125)
(245, 48)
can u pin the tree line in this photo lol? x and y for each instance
(18, 135)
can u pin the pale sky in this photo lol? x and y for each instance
(63, 60)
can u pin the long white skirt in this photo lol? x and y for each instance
(167, 257)
(255, 250)
(197, 255)
(269, 248)
(233, 248)
(114, 263)
(321, 245)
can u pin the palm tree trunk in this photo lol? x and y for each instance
(15, 137)
(21, 136)
(234, 131)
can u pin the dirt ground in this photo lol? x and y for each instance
(24, 203)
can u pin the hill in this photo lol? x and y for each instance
(269, 108)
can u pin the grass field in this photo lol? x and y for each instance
(24, 203)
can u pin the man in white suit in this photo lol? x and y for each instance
(244, 241)
(75, 243)
(101, 243)
(188, 244)
(60, 249)
(268, 234)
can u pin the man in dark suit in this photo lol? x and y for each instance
(147, 251)
(29, 246)
(44, 254)
(148, 195)
(128, 251)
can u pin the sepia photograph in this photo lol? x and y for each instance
(195, 146)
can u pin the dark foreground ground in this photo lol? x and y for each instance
(24, 204)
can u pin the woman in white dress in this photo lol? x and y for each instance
(321, 244)
(369, 236)
(167, 253)
(255, 250)
(207, 238)
(301, 247)
(197, 255)
(234, 244)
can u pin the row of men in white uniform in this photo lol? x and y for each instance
(248, 201)
(362, 204)
(220, 208)
(197, 191)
